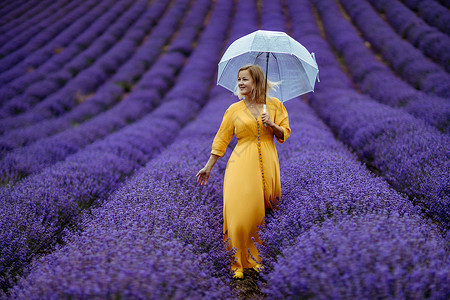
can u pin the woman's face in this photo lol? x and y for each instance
(245, 82)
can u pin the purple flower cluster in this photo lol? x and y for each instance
(364, 257)
(158, 229)
(93, 72)
(146, 95)
(429, 40)
(22, 13)
(166, 211)
(100, 197)
(374, 78)
(432, 12)
(36, 210)
(321, 180)
(131, 261)
(407, 61)
(109, 93)
(95, 41)
(308, 247)
(392, 142)
(18, 48)
(272, 16)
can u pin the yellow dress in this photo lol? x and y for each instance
(252, 177)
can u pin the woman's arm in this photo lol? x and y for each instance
(203, 174)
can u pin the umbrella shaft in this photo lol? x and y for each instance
(267, 68)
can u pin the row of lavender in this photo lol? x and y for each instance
(40, 75)
(106, 95)
(377, 80)
(157, 237)
(433, 12)
(25, 43)
(32, 225)
(432, 42)
(141, 193)
(144, 97)
(340, 224)
(372, 191)
(21, 14)
(60, 91)
(392, 141)
(10, 12)
(407, 61)
(334, 207)
(174, 224)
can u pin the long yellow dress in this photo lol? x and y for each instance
(252, 177)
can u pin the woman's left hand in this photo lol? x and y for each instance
(265, 117)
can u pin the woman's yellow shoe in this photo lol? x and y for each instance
(258, 268)
(238, 275)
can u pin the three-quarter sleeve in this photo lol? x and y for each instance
(281, 119)
(223, 135)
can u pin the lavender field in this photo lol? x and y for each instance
(108, 109)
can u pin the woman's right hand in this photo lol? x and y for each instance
(203, 176)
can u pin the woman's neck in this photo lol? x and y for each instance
(250, 100)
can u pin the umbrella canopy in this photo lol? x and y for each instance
(288, 62)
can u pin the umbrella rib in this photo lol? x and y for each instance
(224, 68)
(279, 72)
(300, 63)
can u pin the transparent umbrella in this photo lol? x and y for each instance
(284, 60)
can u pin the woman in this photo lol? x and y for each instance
(252, 177)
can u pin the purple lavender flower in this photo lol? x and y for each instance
(404, 58)
(432, 12)
(63, 191)
(364, 257)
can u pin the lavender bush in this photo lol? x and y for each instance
(89, 79)
(26, 14)
(108, 206)
(145, 97)
(375, 78)
(102, 34)
(429, 40)
(322, 180)
(39, 38)
(364, 257)
(16, 13)
(395, 144)
(432, 12)
(32, 225)
(152, 204)
(408, 62)
(130, 262)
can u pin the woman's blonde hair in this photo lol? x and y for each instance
(258, 77)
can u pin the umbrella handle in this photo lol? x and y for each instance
(265, 85)
(265, 110)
